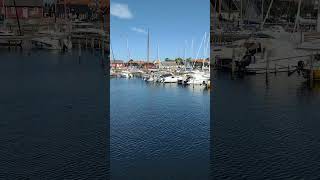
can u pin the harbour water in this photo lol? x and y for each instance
(53, 122)
(265, 131)
(158, 131)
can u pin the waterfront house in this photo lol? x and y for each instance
(149, 65)
(26, 9)
(141, 64)
(117, 64)
(200, 62)
(169, 65)
(75, 9)
(81, 9)
(137, 64)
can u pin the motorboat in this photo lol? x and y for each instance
(168, 78)
(126, 74)
(52, 40)
(272, 50)
(196, 79)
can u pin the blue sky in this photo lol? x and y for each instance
(171, 24)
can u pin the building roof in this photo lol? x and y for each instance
(25, 3)
(168, 63)
(86, 2)
(200, 60)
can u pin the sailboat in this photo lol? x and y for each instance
(200, 77)
(53, 39)
(269, 50)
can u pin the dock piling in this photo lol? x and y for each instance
(233, 64)
(79, 50)
(92, 44)
(311, 70)
(86, 42)
(267, 69)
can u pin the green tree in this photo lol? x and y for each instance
(179, 60)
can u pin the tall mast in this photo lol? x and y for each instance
(148, 48)
(158, 56)
(3, 9)
(185, 56)
(265, 18)
(262, 9)
(296, 24)
(55, 12)
(128, 48)
(204, 48)
(15, 7)
(318, 17)
(191, 49)
(202, 42)
(114, 60)
(213, 21)
(220, 21)
(241, 18)
(65, 9)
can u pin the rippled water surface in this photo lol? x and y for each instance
(265, 131)
(53, 121)
(158, 131)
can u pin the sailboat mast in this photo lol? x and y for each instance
(114, 60)
(318, 17)
(241, 18)
(15, 7)
(265, 18)
(185, 56)
(148, 48)
(128, 48)
(158, 56)
(65, 9)
(204, 48)
(3, 9)
(55, 11)
(192, 49)
(220, 21)
(296, 24)
(202, 42)
(262, 11)
(213, 20)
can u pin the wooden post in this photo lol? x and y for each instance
(86, 42)
(311, 70)
(233, 64)
(267, 68)
(262, 52)
(275, 68)
(79, 49)
(102, 53)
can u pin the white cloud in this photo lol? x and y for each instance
(121, 11)
(139, 30)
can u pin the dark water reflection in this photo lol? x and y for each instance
(265, 131)
(158, 131)
(53, 122)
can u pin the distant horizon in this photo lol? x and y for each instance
(152, 60)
